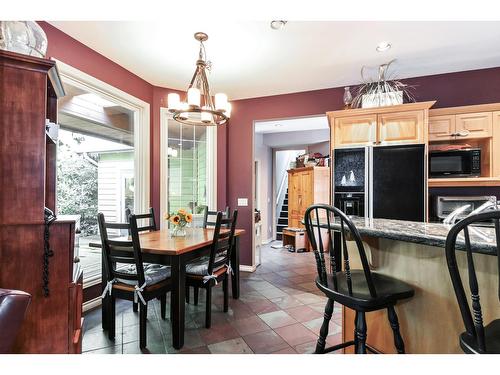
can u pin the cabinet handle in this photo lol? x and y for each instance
(463, 133)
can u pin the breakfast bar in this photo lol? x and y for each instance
(414, 252)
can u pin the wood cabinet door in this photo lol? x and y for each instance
(474, 125)
(355, 131)
(306, 195)
(495, 157)
(442, 128)
(401, 127)
(293, 198)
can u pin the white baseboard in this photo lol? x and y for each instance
(93, 303)
(269, 240)
(247, 268)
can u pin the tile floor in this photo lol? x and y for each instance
(279, 311)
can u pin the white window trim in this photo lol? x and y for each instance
(141, 110)
(165, 116)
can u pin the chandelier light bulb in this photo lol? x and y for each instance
(174, 101)
(228, 110)
(206, 117)
(220, 101)
(194, 96)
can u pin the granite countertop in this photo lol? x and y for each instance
(431, 234)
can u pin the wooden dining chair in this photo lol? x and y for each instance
(206, 272)
(210, 217)
(150, 227)
(128, 277)
(358, 289)
(208, 222)
(477, 339)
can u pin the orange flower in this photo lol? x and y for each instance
(175, 219)
(182, 211)
(189, 218)
(166, 216)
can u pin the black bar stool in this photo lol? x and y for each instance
(477, 339)
(360, 290)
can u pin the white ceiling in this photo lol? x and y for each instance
(291, 125)
(251, 60)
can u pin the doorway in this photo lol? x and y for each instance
(277, 145)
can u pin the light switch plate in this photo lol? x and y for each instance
(242, 202)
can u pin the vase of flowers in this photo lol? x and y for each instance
(179, 221)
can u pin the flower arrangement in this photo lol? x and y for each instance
(179, 219)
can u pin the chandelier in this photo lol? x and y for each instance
(200, 108)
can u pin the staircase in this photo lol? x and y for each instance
(282, 218)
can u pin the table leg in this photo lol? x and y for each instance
(235, 265)
(105, 300)
(178, 296)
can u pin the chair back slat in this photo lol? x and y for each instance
(210, 217)
(321, 217)
(223, 243)
(473, 320)
(150, 227)
(121, 251)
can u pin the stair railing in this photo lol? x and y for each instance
(280, 196)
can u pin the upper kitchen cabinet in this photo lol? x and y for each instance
(355, 130)
(399, 124)
(455, 125)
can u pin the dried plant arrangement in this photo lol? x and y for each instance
(385, 90)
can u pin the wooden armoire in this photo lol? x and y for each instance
(306, 186)
(29, 88)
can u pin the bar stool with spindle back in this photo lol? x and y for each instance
(359, 290)
(477, 339)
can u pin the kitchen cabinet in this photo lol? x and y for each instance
(460, 126)
(356, 130)
(390, 125)
(306, 186)
(442, 128)
(474, 125)
(401, 127)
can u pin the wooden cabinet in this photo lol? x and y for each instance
(306, 186)
(356, 130)
(399, 124)
(27, 183)
(460, 126)
(442, 128)
(401, 127)
(474, 125)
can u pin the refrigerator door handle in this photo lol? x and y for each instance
(369, 181)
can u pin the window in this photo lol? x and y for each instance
(188, 167)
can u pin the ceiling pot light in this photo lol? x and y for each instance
(278, 24)
(200, 107)
(383, 46)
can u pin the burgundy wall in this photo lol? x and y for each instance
(235, 142)
(453, 89)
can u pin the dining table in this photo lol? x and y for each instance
(161, 247)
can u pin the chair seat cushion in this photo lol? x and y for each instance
(491, 336)
(389, 290)
(199, 266)
(153, 273)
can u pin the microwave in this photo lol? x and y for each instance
(455, 163)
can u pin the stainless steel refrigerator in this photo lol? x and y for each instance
(387, 182)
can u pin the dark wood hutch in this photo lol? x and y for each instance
(29, 89)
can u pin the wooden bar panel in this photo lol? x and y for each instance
(430, 321)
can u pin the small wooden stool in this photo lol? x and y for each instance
(295, 237)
